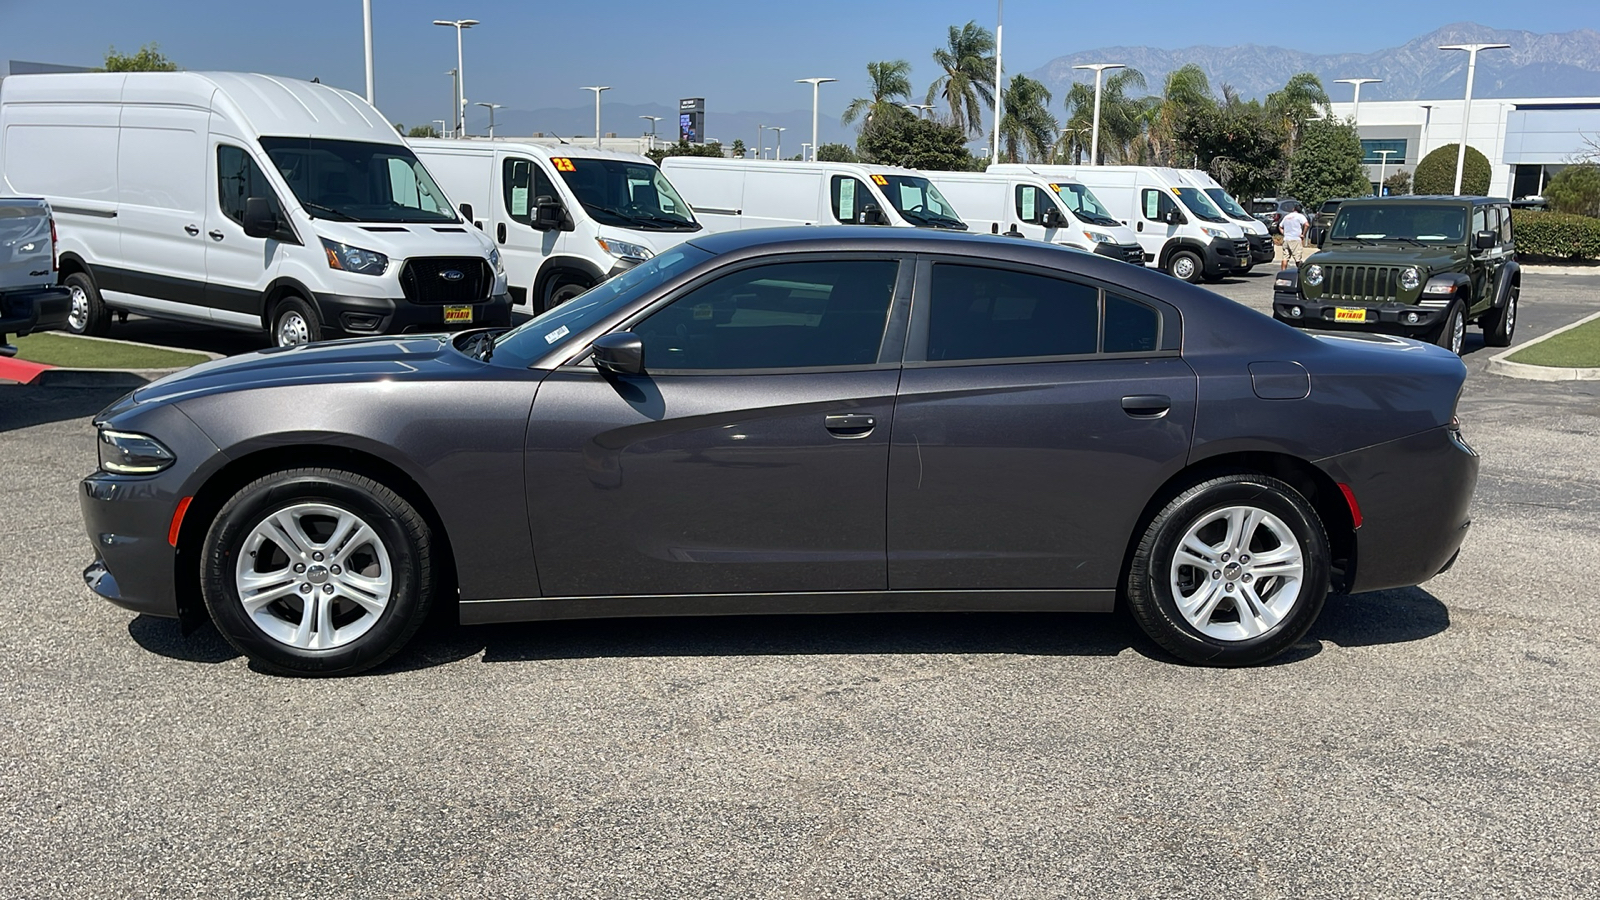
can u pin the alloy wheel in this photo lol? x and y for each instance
(1237, 573)
(314, 576)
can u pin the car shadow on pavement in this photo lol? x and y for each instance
(24, 406)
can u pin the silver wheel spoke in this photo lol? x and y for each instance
(256, 601)
(1203, 551)
(335, 542)
(362, 537)
(308, 613)
(1199, 606)
(367, 601)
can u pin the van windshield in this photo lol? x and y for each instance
(1084, 204)
(1199, 204)
(357, 181)
(1227, 204)
(626, 193)
(919, 201)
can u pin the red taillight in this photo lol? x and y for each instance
(55, 263)
(177, 520)
(1355, 508)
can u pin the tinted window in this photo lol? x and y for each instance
(1131, 327)
(784, 315)
(239, 179)
(1156, 204)
(1505, 224)
(981, 313)
(1030, 204)
(1479, 221)
(522, 183)
(848, 196)
(358, 181)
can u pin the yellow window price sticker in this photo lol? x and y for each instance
(563, 164)
(880, 181)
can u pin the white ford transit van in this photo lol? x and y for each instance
(1022, 204)
(735, 194)
(245, 201)
(1255, 230)
(1176, 224)
(564, 218)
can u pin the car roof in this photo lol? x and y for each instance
(1433, 199)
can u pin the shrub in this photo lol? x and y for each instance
(1399, 184)
(1436, 174)
(836, 153)
(1327, 164)
(1576, 190)
(1555, 236)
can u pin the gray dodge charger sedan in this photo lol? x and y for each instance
(812, 420)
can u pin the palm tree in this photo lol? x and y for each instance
(1302, 99)
(1122, 118)
(1027, 120)
(1187, 92)
(968, 79)
(891, 85)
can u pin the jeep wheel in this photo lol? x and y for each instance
(1452, 332)
(1500, 325)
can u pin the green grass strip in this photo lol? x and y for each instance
(1578, 348)
(77, 353)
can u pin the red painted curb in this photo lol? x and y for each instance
(20, 371)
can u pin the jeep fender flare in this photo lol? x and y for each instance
(1460, 284)
(1511, 274)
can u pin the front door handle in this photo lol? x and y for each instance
(216, 234)
(1138, 226)
(500, 232)
(192, 229)
(1146, 406)
(850, 426)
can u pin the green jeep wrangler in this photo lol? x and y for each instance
(1421, 267)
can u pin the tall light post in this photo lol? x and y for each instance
(455, 96)
(815, 83)
(803, 148)
(653, 121)
(598, 90)
(459, 25)
(1077, 133)
(1383, 168)
(921, 109)
(1355, 111)
(366, 19)
(441, 124)
(1466, 106)
(1427, 119)
(761, 140)
(491, 107)
(777, 152)
(999, 98)
(1094, 134)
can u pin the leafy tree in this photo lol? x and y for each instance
(421, 131)
(836, 153)
(1186, 94)
(1399, 184)
(968, 79)
(1027, 120)
(916, 144)
(1122, 116)
(1436, 174)
(891, 86)
(1576, 190)
(1302, 99)
(684, 148)
(1240, 144)
(148, 59)
(1327, 164)
(738, 148)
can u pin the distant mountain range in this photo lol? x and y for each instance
(1536, 65)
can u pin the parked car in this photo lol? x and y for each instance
(1262, 250)
(736, 194)
(1271, 210)
(242, 201)
(1024, 205)
(1322, 220)
(801, 420)
(30, 300)
(1423, 267)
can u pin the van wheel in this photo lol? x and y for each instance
(295, 322)
(1500, 325)
(89, 314)
(1185, 265)
(562, 288)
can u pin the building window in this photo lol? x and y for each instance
(1370, 148)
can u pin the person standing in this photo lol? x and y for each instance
(1294, 227)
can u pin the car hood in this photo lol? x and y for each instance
(1384, 255)
(375, 359)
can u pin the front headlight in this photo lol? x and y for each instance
(1410, 278)
(1313, 275)
(623, 249)
(1099, 237)
(126, 453)
(346, 258)
(1213, 232)
(494, 260)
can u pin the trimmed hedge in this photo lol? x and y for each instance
(1436, 174)
(1556, 236)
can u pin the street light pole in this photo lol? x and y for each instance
(1355, 111)
(455, 94)
(1383, 168)
(777, 152)
(815, 84)
(653, 121)
(1427, 119)
(366, 13)
(1466, 106)
(803, 148)
(491, 107)
(999, 98)
(1094, 134)
(461, 79)
(598, 90)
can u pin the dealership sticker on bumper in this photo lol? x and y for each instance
(1346, 314)
(457, 314)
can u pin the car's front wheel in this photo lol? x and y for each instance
(1500, 325)
(1185, 264)
(317, 572)
(1231, 572)
(1452, 334)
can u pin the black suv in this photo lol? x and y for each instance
(1323, 219)
(1422, 267)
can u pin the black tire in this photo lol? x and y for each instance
(89, 314)
(1500, 325)
(1151, 572)
(561, 288)
(1190, 269)
(1452, 331)
(405, 542)
(292, 318)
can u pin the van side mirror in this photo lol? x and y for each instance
(1053, 218)
(548, 213)
(466, 211)
(1486, 240)
(871, 215)
(259, 219)
(1175, 217)
(621, 353)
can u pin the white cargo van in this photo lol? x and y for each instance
(244, 201)
(1262, 249)
(735, 194)
(1176, 224)
(564, 218)
(1022, 204)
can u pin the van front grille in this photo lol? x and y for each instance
(1367, 283)
(446, 279)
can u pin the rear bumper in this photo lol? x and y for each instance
(1381, 318)
(347, 316)
(1415, 495)
(25, 311)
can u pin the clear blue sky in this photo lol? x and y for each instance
(739, 55)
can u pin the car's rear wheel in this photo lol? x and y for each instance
(317, 572)
(1500, 325)
(1452, 333)
(1185, 265)
(1231, 572)
(88, 314)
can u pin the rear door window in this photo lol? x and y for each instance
(982, 313)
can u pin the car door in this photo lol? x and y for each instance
(1151, 227)
(523, 247)
(239, 267)
(1037, 415)
(1029, 203)
(1485, 263)
(752, 454)
(161, 211)
(849, 198)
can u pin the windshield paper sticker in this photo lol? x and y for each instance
(556, 335)
(880, 181)
(563, 164)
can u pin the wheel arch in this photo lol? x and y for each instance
(1173, 245)
(280, 288)
(70, 263)
(1510, 276)
(559, 265)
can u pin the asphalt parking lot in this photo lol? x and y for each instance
(1439, 741)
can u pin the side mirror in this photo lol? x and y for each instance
(1053, 218)
(466, 211)
(1322, 238)
(1486, 240)
(259, 219)
(871, 215)
(548, 213)
(620, 353)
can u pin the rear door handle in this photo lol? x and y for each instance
(1146, 406)
(850, 426)
(192, 229)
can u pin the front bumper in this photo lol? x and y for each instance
(1128, 253)
(1415, 495)
(1262, 249)
(347, 316)
(25, 311)
(1225, 257)
(1402, 319)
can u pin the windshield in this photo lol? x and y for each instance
(1084, 204)
(537, 336)
(1199, 204)
(919, 201)
(1227, 204)
(627, 193)
(356, 181)
(1439, 224)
